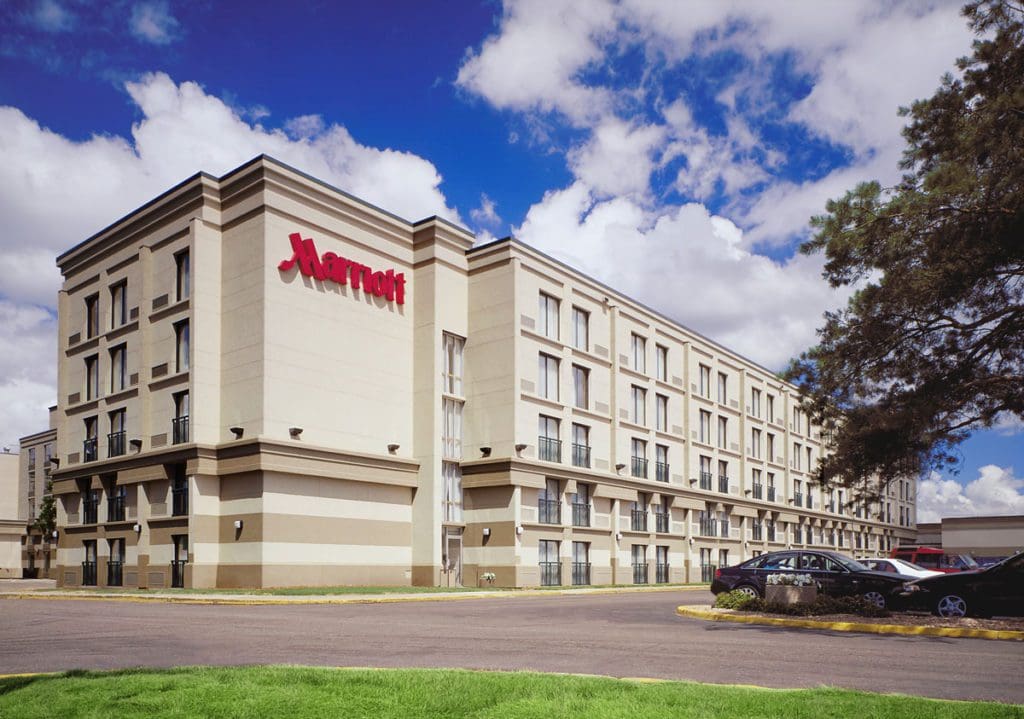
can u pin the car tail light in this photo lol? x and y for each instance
(718, 574)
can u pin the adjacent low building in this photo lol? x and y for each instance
(38, 551)
(264, 381)
(982, 537)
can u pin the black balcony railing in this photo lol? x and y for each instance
(638, 521)
(723, 483)
(705, 480)
(549, 511)
(580, 573)
(758, 490)
(640, 573)
(115, 508)
(580, 514)
(179, 430)
(661, 471)
(708, 527)
(115, 444)
(550, 574)
(639, 467)
(771, 494)
(88, 574)
(707, 572)
(756, 532)
(810, 502)
(89, 450)
(178, 573)
(661, 522)
(661, 574)
(179, 501)
(771, 532)
(723, 527)
(798, 499)
(115, 574)
(580, 455)
(549, 450)
(90, 507)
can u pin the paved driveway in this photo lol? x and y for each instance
(626, 635)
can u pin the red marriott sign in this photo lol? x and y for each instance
(330, 267)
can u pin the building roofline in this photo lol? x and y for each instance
(29, 438)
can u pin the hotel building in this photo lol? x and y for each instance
(264, 381)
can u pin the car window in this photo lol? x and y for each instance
(911, 565)
(830, 565)
(880, 566)
(851, 564)
(928, 561)
(811, 562)
(780, 561)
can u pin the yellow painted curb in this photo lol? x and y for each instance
(902, 629)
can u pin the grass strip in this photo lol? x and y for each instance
(277, 691)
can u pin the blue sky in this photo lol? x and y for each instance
(672, 149)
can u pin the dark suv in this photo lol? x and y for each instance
(833, 573)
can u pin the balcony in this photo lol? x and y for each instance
(638, 521)
(661, 522)
(640, 573)
(178, 574)
(758, 490)
(723, 484)
(580, 514)
(549, 450)
(90, 511)
(810, 502)
(115, 444)
(179, 430)
(88, 574)
(705, 480)
(115, 574)
(757, 532)
(639, 467)
(707, 572)
(581, 456)
(771, 494)
(798, 499)
(549, 511)
(661, 471)
(179, 501)
(89, 450)
(550, 574)
(115, 508)
(708, 528)
(723, 528)
(580, 573)
(661, 574)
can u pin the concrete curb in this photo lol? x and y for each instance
(278, 600)
(901, 629)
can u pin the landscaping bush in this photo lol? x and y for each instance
(824, 604)
(734, 600)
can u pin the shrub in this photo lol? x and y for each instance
(790, 580)
(823, 604)
(734, 600)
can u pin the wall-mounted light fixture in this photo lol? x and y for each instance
(238, 524)
(746, 492)
(519, 529)
(485, 451)
(55, 534)
(393, 447)
(520, 447)
(691, 541)
(620, 466)
(136, 444)
(618, 535)
(237, 431)
(137, 528)
(693, 481)
(487, 531)
(55, 461)
(294, 432)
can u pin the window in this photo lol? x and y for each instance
(549, 447)
(796, 420)
(179, 491)
(550, 569)
(639, 563)
(182, 285)
(452, 474)
(758, 488)
(755, 402)
(92, 316)
(92, 377)
(661, 362)
(810, 463)
(581, 563)
(723, 432)
(705, 426)
(661, 463)
(118, 368)
(580, 329)
(547, 316)
(639, 348)
(580, 445)
(639, 395)
(770, 449)
(755, 443)
(549, 503)
(180, 542)
(723, 476)
(451, 377)
(547, 377)
(639, 466)
(770, 408)
(451, 429)
(796, 455)
(179, 425)
(638, 513)
(705, 381)
(116, 438)
(723, 388)
(181, 346)
(581, 506)
(771, 486)
(661, 413)
(119, 304)
(705, 472)
(89, 444)
(581, 386)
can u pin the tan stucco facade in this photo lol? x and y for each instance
(232, 412)
(988, 536)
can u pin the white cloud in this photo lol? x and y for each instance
(617, 160)
(51, 16)
(153, 22)
(487, 214)
(996, 491)
(1007, 424)
(28, 369)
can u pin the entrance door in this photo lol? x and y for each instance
(452, 560)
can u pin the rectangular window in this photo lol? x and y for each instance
(452, 491)
(758, 488)
(705, 426)
(723, 476)
(451, 429)
(723, 433)
(770, 448)
(661, 362)
(810, 463)
(92, 377)
(452, 348)
(796, 420)
(547, 377)
(118, 368)
(550, 569)
(723, 387)
(755, 443)
(179, 424)
(705, 472)
(549, 502)
(639, 450)
(661, 413)
(581, 563)
(580, 445)
(119, 304)
(116, 438)
(796, 455)
(89, 444)
(549, 446)
(581, 506)
(755, 402)
(661, 463)
(639, 554)
(770, 408)
(705, 381)
(639, 347)
(181, 346)
(581, 386)
(92, 316)
(179, 491)
(182, 285)
(547, 316)
(639, 397)
(580, 329)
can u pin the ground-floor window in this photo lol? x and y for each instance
(639, 564)
(89, 565)
(707, 569)
(661, 564)
(550, 568)
(115, 565)
(179, 561)
(581, 562)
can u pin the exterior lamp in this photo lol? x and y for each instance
(392, 448)
(294, 432)
(237, 431)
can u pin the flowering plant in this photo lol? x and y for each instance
(790, 580)
(488, 576)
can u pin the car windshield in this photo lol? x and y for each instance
(911, 565)
(851, 564)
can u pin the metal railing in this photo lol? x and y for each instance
(549, 511)
(89, 450)
(115, 508)
(771, 532)
(90, 507)
(580, 514)
(178, 573)
(661, 471)
(115, 444)
(549, 450)
(115, 574)
(705, 480)
(708, 527)
(723, 483)
(580, 573)
(798, 498)
(638, 520)
(707, 572)
(639, 467)
(581, 455)
(723, 527)
(661, 574)
(179, 429)
(661, 522)
(179, 501)
(810, 502)
(640, 573)
(771, 494)
(88, 574)
(550, 574)
(758, 490)
(756, 532)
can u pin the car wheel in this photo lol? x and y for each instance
(876, 598)
(749, 591)
(951, 605)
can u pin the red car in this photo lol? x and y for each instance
(935, 559)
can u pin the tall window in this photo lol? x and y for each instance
(580, 445)
(549, 502)
(181, 346)
(661, 462)
(796, 455)
(810, 463)
(89, 445)
(581, 386)
(550, 568)
(705, 472)
(116, 438)
(661, 413)
(179, 425)
(118, 368)
(639, 449)
(723, 433)
(757, 486)
(705, 426)
(92, 376)
(770, 447)
(547, 377)
(119, 304)
(581, 562)
(452, 474)
(705, 380)
(755, 443)
(452, 348)
(580, 329)
(639, 396)
(547, 316)
(639, 347)
(92, 316)
(661, 362)
(548, 444)
(723, 387)
(796, 420)
(179, 491)
(755, 402)
(182, 285)
(770, 408)
(451, 429)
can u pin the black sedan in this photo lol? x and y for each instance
(998, 590)
(833, 573)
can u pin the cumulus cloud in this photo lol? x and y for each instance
(486, 215)
(50, 16)
(153, 22)
(996, 491)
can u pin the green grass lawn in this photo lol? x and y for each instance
(318, 591)
(317, 692)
